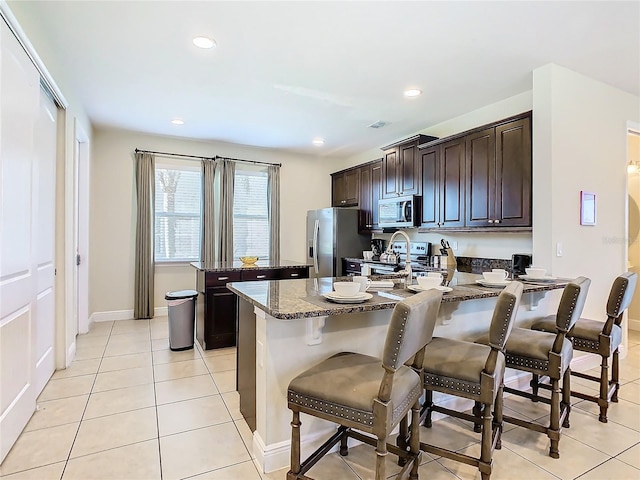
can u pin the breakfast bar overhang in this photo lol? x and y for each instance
(286, 327)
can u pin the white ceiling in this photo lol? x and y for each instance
(286, 72)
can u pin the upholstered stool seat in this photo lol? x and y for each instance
(473, 371)
(367, 394)
(549, 355)
(600, 338)
(529, 350)
(459, 365)
(355, 380)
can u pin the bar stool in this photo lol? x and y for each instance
(473, 371)
(368, 394)
(600, 338)
(548, 354)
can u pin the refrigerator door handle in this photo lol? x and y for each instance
(316, 231)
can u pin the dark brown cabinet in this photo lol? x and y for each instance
(216, 319)
(402, 167)
(370, 193)
(351, 267)
(498, 164)
(443, 187)
(345, 188)
(401, 170)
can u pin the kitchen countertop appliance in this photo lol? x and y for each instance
(332, 234)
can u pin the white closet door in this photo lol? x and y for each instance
(27, 186)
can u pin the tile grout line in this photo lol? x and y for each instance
(84, 411)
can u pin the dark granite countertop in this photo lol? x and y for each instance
(292, 299)
(239, 266)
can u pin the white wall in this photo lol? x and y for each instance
(304, 182)
(580, 143)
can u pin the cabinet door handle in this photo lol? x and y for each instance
(496, 221)
(223, 278)
(343, 201)
(260, 276)
(294, 275)
(490, 221)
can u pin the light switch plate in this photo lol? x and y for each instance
(559, 249)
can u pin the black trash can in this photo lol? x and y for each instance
(182, 318)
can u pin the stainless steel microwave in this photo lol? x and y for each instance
(400, 212)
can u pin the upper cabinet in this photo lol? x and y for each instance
(443, 184)
(370, 193)
(345, 188)
(480, 178)
(402, 167)
(498, 166)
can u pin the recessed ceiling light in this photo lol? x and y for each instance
(204, 42)
(318, 142)
(177, 121)
(412, 92)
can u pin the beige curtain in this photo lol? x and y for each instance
(208, 228)
(273, 192)
(144, 265)
(227, 171)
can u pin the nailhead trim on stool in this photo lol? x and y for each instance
(451, 384)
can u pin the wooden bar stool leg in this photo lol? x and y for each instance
(295, 442)
(615, 379)
(428, 401)
(497, 417)
(535, 382)
(566, 397)
(477, 412)
(485, 452)
(381, 454)
(554, 426)
(603, 401)
(414, 443)
(401, 440)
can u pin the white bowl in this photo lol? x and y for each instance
(347, 289)
(494, 277)
(429, 282)
(535, 272)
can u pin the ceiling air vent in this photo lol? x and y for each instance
(378, 124)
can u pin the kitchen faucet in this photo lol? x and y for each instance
(407, 263)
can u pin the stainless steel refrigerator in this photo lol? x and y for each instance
(332, 234)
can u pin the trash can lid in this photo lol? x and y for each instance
(180, 294)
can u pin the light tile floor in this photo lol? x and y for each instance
(130, 408)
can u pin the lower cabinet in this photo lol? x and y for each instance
(216, 319)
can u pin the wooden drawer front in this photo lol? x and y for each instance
(294, 273)
(353, 266)
(258, 274)
(220, 279)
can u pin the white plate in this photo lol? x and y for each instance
(545, 278)
(484, 283)
(334, 297)
(418, 288)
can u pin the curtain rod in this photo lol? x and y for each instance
(207, 158)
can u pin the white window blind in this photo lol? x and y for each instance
(250, 214)
(177, 215)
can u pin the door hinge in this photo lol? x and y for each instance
(77, 259)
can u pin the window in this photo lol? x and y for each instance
(250, 213)
(177, 212)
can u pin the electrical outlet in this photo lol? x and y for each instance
(559, 249)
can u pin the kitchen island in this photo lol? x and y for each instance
(286, 327)
(216, 315)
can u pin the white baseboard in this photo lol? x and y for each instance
(116, 315)
(71, 354)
